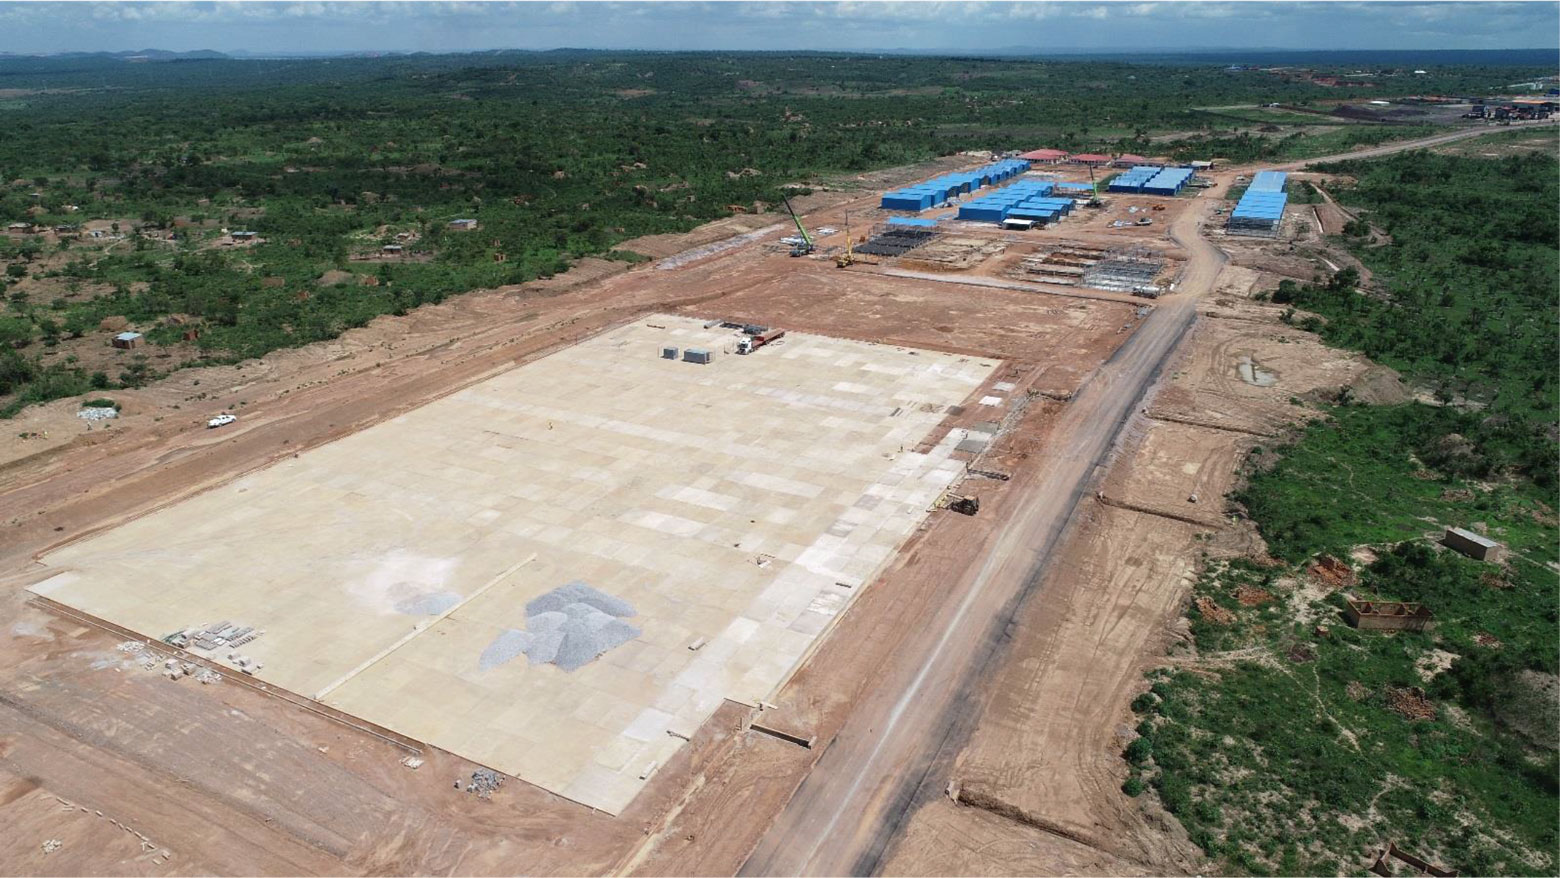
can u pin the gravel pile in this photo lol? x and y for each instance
(97, 414)
(483, 782)
(505, 648)
(570, 626)
(578, 592)
(430, 604)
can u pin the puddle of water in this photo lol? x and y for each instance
(1253, 374)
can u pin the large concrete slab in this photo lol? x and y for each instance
(735, 507)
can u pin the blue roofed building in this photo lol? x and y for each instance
(1260, 211)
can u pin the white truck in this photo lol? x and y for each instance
(221, 420)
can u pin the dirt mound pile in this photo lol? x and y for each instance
(1380, 386)
(335, 276)
(1252, 597)
(1411, 703)
(1213, 612)
(1332, 572)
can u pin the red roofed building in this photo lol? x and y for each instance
(1045, 156)
(1127, 160)
(1089, 158)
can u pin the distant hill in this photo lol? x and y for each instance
(141, 55)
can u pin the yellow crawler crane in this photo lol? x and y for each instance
(848, 258)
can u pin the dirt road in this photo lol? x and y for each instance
(892, 755)
(1390, 148)
(850, 806)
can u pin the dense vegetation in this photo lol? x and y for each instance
(1246, 146)
(1311, 744)
(558, 155)
(1295, 758)
(1469, 288)
(1376, 475)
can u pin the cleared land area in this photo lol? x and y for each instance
(75, 702)
(705, 522)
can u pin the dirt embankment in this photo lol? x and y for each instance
(1046, 756)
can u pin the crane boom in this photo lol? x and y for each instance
(807, 242)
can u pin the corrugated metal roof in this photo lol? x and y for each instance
(985, 212)
(1268, 181)
(1264, 198)
(1169, 180)
(1261, 205)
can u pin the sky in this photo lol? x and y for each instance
(312, 27)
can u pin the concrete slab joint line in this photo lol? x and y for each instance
(418, 629)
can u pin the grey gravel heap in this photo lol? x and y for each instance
(570, 626)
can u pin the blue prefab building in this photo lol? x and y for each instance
(993, 206)
(947, 187)
(904, 201)
(1032, 213)
(1133, 180)
(984, 213)
(1169, 181)
(1268, 181)
(1260, 211)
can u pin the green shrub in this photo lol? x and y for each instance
(1139, 751)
